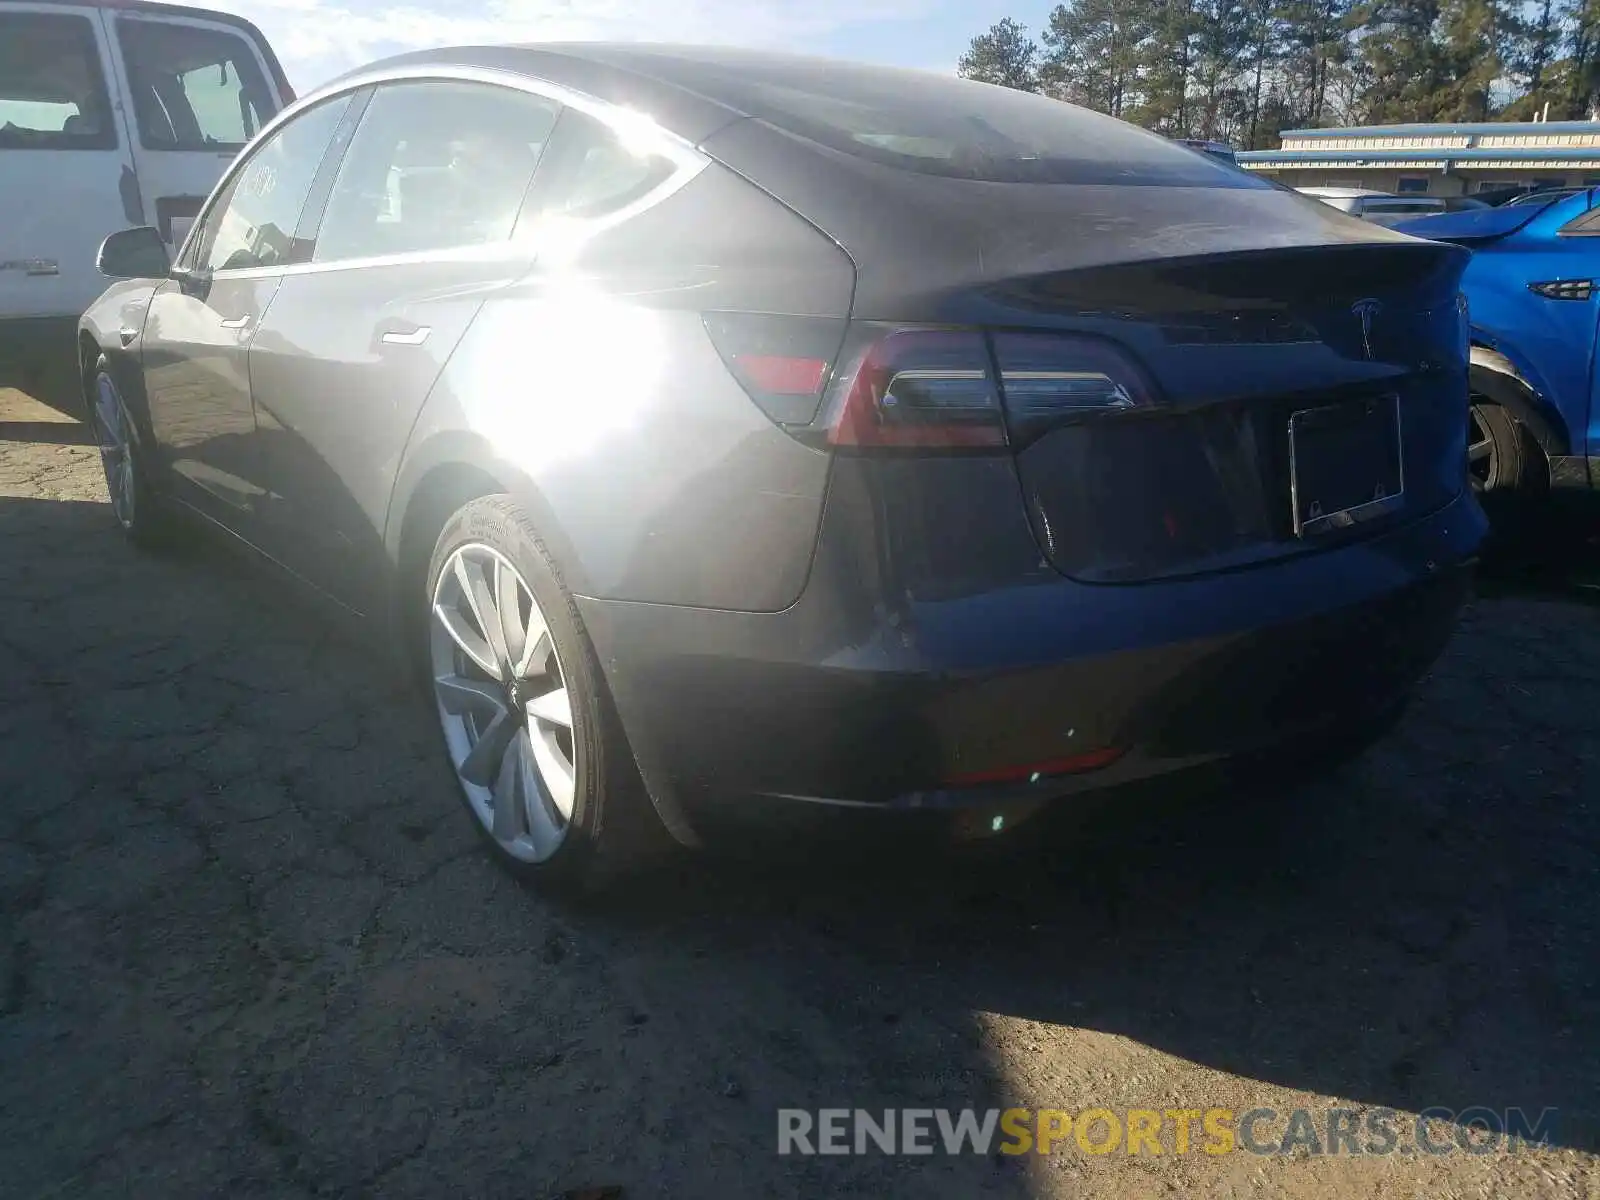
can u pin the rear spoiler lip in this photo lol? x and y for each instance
(1471, 225)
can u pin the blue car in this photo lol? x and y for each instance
(1531, 289)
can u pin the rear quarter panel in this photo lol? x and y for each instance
(592, 387)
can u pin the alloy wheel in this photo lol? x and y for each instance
(1482, 462)
(116, 449)
(503, 702)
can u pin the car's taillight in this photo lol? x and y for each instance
(783, 362)
(918, 389)
(898, 388)
(1046, 378)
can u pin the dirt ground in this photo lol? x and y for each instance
(248, 947)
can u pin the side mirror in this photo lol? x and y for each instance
(137, 253)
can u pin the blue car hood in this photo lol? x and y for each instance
(1471, 225)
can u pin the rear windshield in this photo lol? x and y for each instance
(935, 125)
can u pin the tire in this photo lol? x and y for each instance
(1502, 455)
(1508, 473)
(561, 805)
(135, 506)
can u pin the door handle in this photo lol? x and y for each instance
(414, 338)
(236, 322)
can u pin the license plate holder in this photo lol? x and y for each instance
(1345, 464)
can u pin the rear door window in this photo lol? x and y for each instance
(193, 88)
(52, 88)
(434, 166)
(593, 171)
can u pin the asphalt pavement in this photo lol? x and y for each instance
(249, 947)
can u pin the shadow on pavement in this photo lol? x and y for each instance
(58, 433)
(1554, 552)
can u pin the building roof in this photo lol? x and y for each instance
(1467, 129)
(1424, 154)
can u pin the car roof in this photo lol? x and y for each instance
(911, 228)
(643, 76)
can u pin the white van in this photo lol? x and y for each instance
(112, 113)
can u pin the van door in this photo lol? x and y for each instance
(200, 87)
(66, 175)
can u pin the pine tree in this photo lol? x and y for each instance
(1093, 51)
(1316, 42)
(1241, 70)
(1166, 66)
(1225, 38)
(1396, 41)
(1582, 68)
(1260, 56)
(1006, 55)
(1468, 58)
(1534, 39)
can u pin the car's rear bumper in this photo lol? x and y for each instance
(857, 696)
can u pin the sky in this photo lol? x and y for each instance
(318, 39)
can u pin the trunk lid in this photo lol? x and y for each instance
(1206, 477)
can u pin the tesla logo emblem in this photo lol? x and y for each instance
(1364, 311)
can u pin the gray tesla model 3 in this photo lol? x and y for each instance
(714, 430)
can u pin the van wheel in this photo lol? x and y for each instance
(538, 752)
(133, 503)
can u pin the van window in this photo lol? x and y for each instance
(193, 88)
(433, 166)
(52, 89)
(254, 219)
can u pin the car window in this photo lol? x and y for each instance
(595, 171)
(432, 166)
(1402, 206)
(1587, 222)
(930, 124)
(193, 88)
(52, 89)
(252, 223)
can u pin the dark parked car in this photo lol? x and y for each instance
(781, 431)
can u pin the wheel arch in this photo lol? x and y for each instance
(437, 477)
(126, 373)
(88, 358)
(1497, 375)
